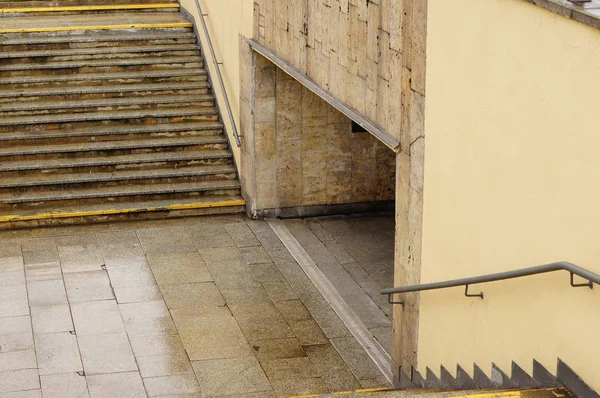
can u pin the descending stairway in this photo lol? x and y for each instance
(97, 120)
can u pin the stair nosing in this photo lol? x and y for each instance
(103, 63)
(125, 129)
(13, 166)
(113, 145)
(155, 189)
(124, 35)
(105, 102)
(129, 175)
(98, 51)
(104, 89)
(108, 115)
(104, 76)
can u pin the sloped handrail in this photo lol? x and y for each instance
(216, 64)
(519, 273)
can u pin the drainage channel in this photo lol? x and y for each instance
(372, 347)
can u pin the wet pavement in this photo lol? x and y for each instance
(188, 308)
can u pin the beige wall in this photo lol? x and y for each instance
(512, 177)
(300, 151)
(226, 21)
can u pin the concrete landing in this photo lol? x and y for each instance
(201, 306)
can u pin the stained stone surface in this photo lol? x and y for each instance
(167, 309)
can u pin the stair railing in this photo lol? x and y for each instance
(217, 66)
(519, 273)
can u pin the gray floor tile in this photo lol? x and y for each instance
(88, 286)
(106, 353)
(230, 376)
(255, 255)
(51, 292)
(129, 272)
(242, 235)
(331, 367)
(356, 358)
(128, 384)
(192, 295)
(137, 294)
(178, 268)
(260, 320)
(147, 318)
(210, 334)
(51, 319)
(368, 312)
(277, 349)
(164, 365)
(19, 380)
(80, 258)
(165, 240)
(298, 386)
(158, 345)
(66, 385)
(171, 385)
(97, 317)
(289, 368)
(17, 360)
(57, 353)
(209, 235)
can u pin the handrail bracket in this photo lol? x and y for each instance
(472, 295)
(589, 283)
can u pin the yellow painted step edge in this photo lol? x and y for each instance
(344, 392)
(426, 393)
(100, 27)
(189, 206)
(90, 8)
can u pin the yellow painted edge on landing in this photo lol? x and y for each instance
(90, 8)
(380, 389)
(491, 394)
(100, 27)
(188, 206)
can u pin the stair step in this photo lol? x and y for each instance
(118, 160)
(103, 76)
(105, 102)
(11, 39)
(109, 115)
(113, 88)
(113, 130)
(190, 59)
(126, 175)
(56, 8)
(222, 203)
(98, 51)
(110, 146)
(117, 191)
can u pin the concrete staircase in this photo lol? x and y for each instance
(100, 121)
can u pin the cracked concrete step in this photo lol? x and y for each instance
(228, 187)
(194, 61)
(86, 78)
(120, 131)
(121, 162)
(202, 113)
(103, 89)
(187, 174)
(58, 52)
(72, 106)
(158, 208)
(94, 37)
(82, 149)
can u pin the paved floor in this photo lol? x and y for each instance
(188, 307)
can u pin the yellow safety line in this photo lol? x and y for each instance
(189, 206)
(91, 8)
(101, 27)
(343, 392)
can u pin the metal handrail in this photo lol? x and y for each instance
(236, 136)
(519, 273)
